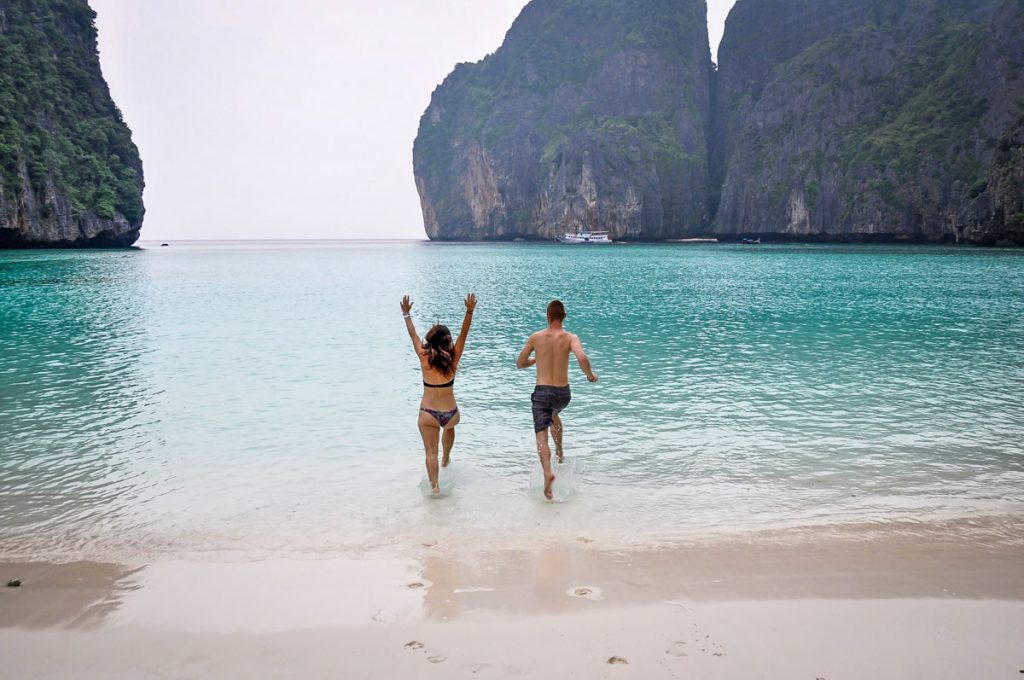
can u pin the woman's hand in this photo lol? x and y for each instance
(406, 305)
(470, 303)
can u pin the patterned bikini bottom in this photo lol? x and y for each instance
(442, 417)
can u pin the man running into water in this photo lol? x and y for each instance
(551, 395)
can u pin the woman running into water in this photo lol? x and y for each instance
(439, 361)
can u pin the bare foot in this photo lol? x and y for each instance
(445, 460)
(561, 458)
(436, 490)
(548, 481)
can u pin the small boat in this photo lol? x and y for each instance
(751, 241)
(585, 237)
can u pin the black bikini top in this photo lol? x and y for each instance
(447, 384)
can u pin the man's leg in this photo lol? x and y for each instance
(542, 413)
(544, 451)
(556, 432)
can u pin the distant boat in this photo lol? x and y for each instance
(585, 237)
(751, 241)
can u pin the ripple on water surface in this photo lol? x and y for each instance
(264, 398)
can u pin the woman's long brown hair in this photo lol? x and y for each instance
(440, 350)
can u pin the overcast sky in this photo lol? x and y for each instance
(268, 119)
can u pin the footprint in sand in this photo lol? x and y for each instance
(415, 644)
(416, 585)
(586, 592)
(617, 661)
(677, 649)
(437, 658)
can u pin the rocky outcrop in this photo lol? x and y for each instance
(886, 125)
(591, 114)
(995, 213)
(826, 119)
(69, 172)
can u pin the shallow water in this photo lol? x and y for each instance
(261, 397)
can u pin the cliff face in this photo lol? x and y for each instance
(760, 35)
(995, 211)
(69, 172)
(593, 113)
(826, 119)
(899, 120)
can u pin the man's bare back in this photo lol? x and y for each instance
(551, 348)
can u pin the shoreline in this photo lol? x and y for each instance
(831, 607)
(713, 239)
(549, 527)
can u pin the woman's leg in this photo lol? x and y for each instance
(447, 442)
(430, 431)
(448, 439)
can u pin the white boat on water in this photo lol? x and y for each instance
(585, 237)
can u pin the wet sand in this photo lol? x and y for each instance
(824, 607)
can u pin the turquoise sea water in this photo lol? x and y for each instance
(262, 397)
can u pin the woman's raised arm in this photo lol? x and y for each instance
(417, 344)
(460, 344)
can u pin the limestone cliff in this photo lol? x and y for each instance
(592, 113)
(899, 120)
(825, 119)
(69, 172)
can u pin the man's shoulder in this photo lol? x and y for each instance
(553, 336)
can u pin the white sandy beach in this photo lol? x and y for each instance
(833, 608)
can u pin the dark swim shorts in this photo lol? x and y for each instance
(548, 402)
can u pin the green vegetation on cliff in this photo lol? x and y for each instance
(879, 125)
(905, 111)
(928, 108)
(56, 116)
